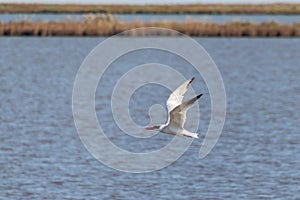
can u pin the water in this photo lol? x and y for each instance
(286, 19)
(214, 18)
(257, 156)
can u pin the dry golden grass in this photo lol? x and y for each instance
(109, 28)
(283, 8)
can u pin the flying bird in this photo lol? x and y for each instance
(177, 113)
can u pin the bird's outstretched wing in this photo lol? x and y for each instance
(178, 115)
(176, 97)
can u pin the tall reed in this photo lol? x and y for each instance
(278, 8)
(108, 28)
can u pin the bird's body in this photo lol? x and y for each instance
(177, 113)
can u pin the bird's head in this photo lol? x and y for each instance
(154, 127)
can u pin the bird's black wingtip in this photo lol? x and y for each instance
(199, 96)
(191, 80)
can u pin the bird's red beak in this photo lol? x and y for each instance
(149, 128)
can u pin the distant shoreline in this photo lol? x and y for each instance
(109, 28)
(272, 9)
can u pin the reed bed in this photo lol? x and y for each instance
(278, 8)
(109, 28)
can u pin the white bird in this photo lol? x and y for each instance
(177, 113)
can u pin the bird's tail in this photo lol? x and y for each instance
(189, 134)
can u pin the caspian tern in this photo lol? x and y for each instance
(177, 113)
